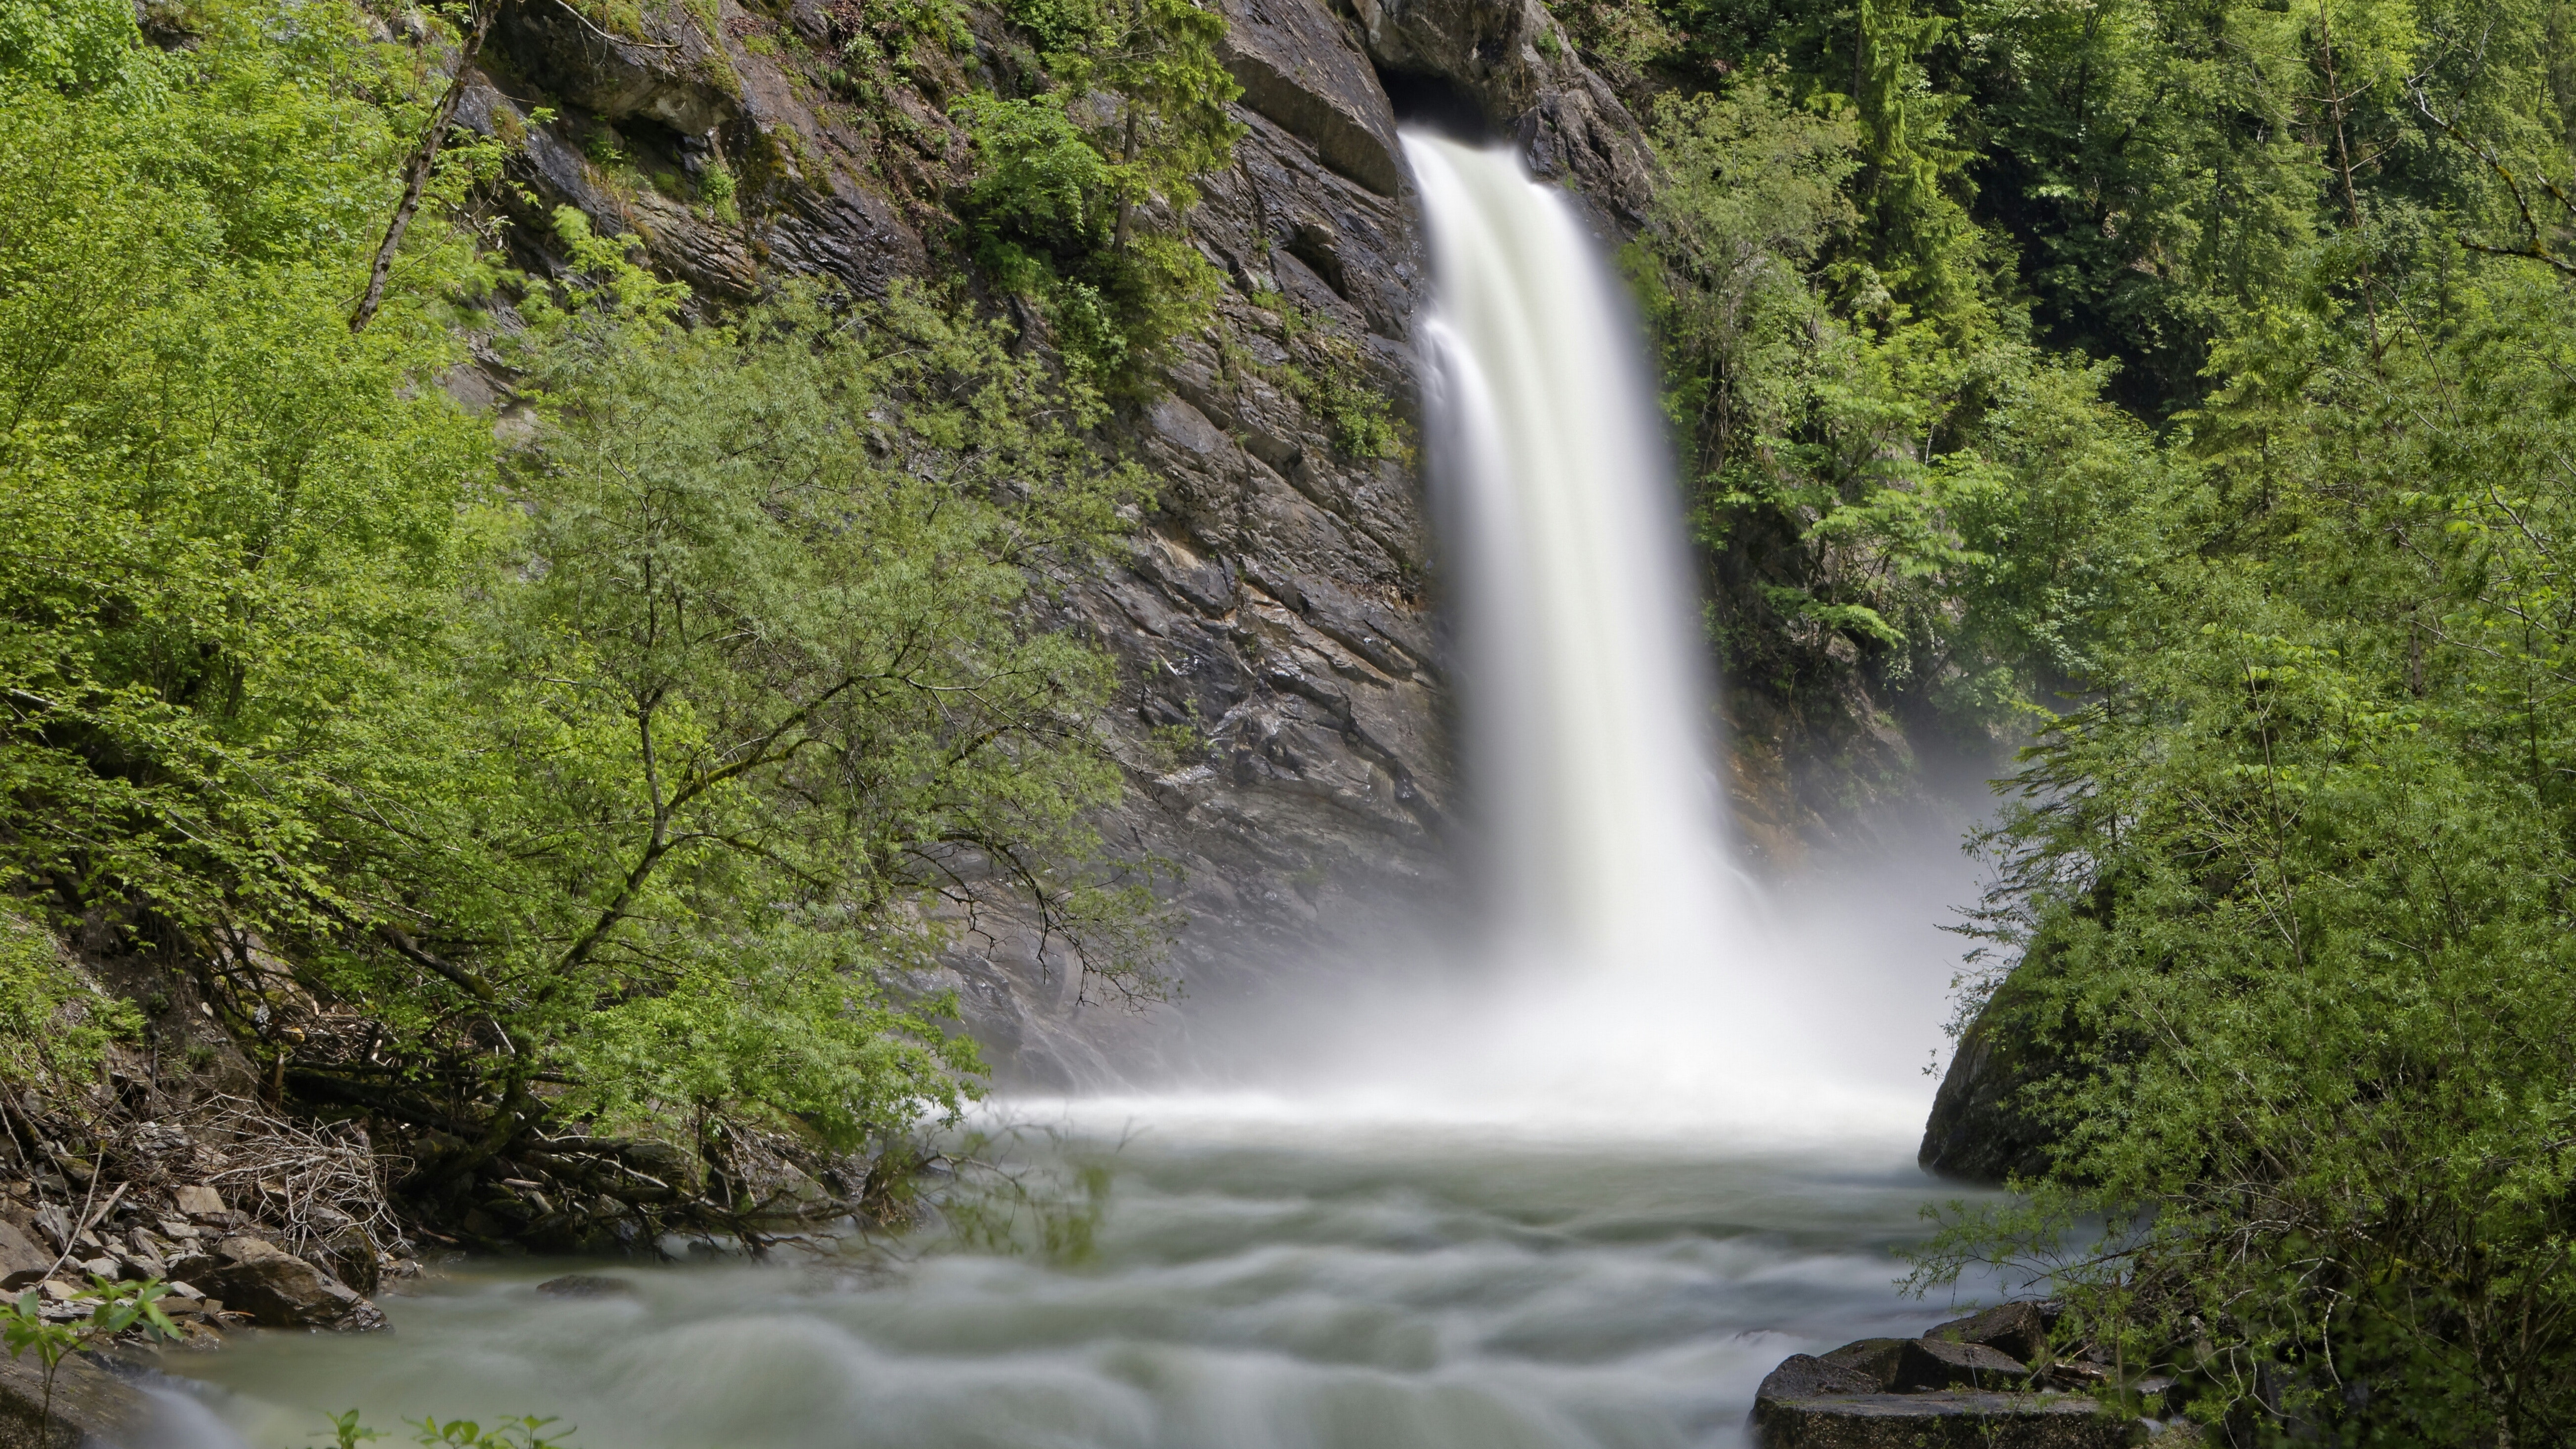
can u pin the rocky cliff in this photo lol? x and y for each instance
(1281, 717)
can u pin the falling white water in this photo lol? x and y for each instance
(1586, 738)
(1638, 975)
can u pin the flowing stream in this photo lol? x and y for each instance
(1662, 1139)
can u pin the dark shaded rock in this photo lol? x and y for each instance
(350, 1256)
(585, 1285)
(1873, 1358)
(2018, 1329)
(1937, 1421)
(1298, 67)
(1979, 1130)
(1801, 1376)
(1514, 60)
(280, 1290)
(1939, 1363)
(91, 1410)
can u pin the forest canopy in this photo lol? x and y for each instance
(2193, 382)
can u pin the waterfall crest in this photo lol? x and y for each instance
(1584, 697)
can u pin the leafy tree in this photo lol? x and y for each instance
(1134, 107)
(2290, 897)
(624, 771)
(756, 677)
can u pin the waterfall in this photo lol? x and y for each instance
(1584, 698)
(1621, 975)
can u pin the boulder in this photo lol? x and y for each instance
(2018, 1329)
(20, 1253)
(1982, 1128)
(198, 1201)
(349, 1255)
(280, 1290)
(91, 1410)
(1966, 1420)
(1873, 1358)
(1940, 1363)
(585, 1285)
(1801, 1376)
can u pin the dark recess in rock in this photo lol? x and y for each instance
(1437, 103)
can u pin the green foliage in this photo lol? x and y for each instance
(754, 678)
(232, 524)
(78, 46)
(1362, 423)
(118, 1308)
(616, 774)
(1865, 480)
(2291, 899)
(349, 1430)
(1135, 106)
(52, 1026)
(520, 1433)
(2285, 902)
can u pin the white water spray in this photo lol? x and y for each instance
(1587, 724)
(1640, 976)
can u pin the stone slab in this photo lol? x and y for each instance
(1956, 1420)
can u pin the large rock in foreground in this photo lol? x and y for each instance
(90, 1409)
(1990, 1380)
(280, 1290)
(1967, 1419)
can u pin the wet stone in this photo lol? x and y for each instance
(585, 1285)
(1935, 1363)
(1965, 1419)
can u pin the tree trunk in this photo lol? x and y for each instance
(423, 157)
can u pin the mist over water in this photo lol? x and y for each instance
(1620, 971)
(1575, 1180)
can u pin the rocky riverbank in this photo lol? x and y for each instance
(1993, 1380)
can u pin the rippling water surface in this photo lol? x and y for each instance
(1257, 1284)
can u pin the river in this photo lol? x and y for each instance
(1261, 1279)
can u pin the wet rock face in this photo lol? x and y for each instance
(1515, 61)
(1282, 716)
(1980, 1130)
(1298, 69)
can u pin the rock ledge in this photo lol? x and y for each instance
(1937, 1420)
